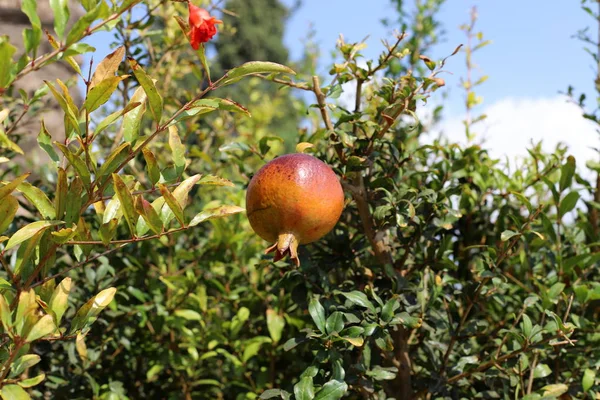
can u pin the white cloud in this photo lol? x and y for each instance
(513, 123)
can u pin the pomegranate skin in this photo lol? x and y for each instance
(294, 198)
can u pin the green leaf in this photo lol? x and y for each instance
(126, 199)
(151, 166)
(293, 342)
(589, 377)
(132, 106)
(383, 374)
(8, 209)
(11, 186)
(154, 98)
(568, 203)
(556, 290)
(172, 204)
(108, 230)
(6, 62)
(108, 67)
(76, 162)
(526, 326)
(388, 310)
(44, 327)
(332, 390)
(263, 144)
(45, 141)
(360, 299)
(317, 312)
(38, 199)
(13, 392)
(26, 253)
(112, 210)
(92, 308)
(217, 212)
(24, 362)
(508, 234)
(555, 390)
(177, 149)
(62, 191)
(201, 52)
(158, 205)
(73, 201)
(252, 68)
(354, 341)
(272, 393)
(67, 105)
(304, 389)
(145, 209)
(252, 347)
(524, 200)
(193, 111)
(190, 315)
(64, 235)
(6, 143)
(215, 181)
(59, 301)
(5, 314)
(566, 173)
(101, 93)
(83, 23)
(28, 231)
(27, 307)
(127, 4)
(31, 382)
(303, 147)
(153, 372)
(61, 15)
(275, 325)
(33, 36)
(541, 371)
(335, 323)
(29, 8)
(112, 162)
(130, 128)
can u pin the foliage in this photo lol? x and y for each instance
(449, 275)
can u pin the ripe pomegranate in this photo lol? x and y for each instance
(294, 199)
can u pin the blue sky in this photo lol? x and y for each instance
(533, 53)
(532, 57)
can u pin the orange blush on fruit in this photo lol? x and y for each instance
(294, 199)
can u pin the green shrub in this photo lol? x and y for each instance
(124, 275)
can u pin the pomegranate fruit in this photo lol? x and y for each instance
(294, 199)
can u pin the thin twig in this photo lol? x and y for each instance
(125, 241)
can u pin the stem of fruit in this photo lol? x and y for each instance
(286, 244)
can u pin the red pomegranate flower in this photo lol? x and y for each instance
(202, 26)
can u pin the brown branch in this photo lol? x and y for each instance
(7, 364)
(339, 148)
(126, 241)
(301, 86)
(19, 118)
(321, 102)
